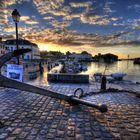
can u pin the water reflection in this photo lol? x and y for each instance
(132, 71)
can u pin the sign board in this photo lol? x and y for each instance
(14, 72)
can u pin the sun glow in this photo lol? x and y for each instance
(120, 51)
(54, 47)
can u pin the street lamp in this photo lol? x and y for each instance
(16, 18)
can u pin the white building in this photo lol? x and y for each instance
(34, 54)
(81, 57)
(2, 48)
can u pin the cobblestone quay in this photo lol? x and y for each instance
(27, 116)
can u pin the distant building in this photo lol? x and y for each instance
(81, 57)
(2, 48)
(34, 54)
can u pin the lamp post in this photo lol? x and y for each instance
(16, 18)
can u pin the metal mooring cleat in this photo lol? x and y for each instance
(9, 83)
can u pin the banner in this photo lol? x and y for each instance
(15, 72)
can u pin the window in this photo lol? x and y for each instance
(28, 57)
(11, 48)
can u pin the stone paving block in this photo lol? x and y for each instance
(3, 136)
(11, 138)
(34, 117)
(79, 137)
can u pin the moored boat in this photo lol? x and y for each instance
(118, 76)
(110, 78)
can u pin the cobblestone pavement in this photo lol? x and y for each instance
(131, 87)
(69, 88)
(87, 88)
(41, 81)
(28, 116)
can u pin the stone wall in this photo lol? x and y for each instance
(30, 71)
(68, 78)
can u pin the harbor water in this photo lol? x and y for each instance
(132, 70)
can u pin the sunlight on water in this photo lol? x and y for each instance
(132, 71)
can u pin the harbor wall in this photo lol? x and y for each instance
(68, 78)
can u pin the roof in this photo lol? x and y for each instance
(20, 41)
(31, 116)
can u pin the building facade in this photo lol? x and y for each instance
(34, 54)
(2, 48)
(81, 57)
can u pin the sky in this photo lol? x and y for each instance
(96, 26)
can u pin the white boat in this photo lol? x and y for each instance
(109, 78)
(118, 76)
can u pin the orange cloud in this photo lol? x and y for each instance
(24, 18)
(31, 22)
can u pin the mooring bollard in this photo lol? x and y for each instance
(103, 83)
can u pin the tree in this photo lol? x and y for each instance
(84, 52)
(68, 54)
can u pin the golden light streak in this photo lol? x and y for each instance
(92, 50)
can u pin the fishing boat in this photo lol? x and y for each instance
(110, 78)
(118, 76)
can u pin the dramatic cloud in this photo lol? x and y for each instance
(107, 8)
(7, 2)
(22, 1)
(73, 22)
(80, 4)
(11, 29)
(48, 18)
(96, 19)
(64, 11)
(31, 22)
(48, 6)
(5, 12)
(60, 25)
(64, 37)
(24, 18)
